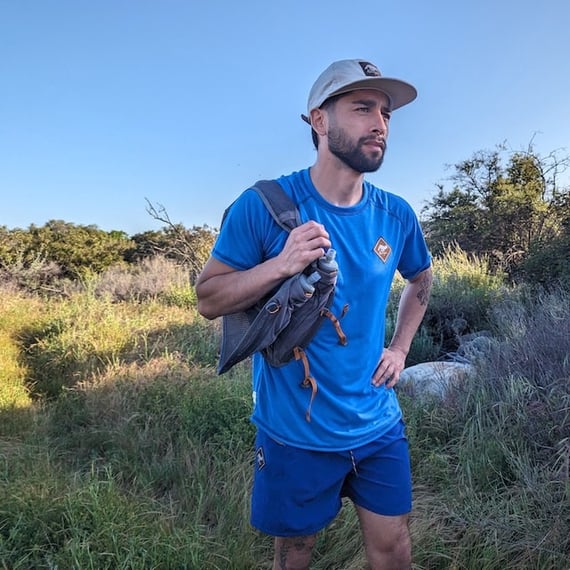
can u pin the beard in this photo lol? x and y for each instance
(352, 154)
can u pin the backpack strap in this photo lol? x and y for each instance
(281, 207)
(278, 203)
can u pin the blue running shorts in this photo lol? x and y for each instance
(297, 492)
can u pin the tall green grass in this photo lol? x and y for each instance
(16, 410)
(496, 453)
(121, 448)
(464, 293)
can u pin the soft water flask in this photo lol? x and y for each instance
(328, 263)
(306, 282)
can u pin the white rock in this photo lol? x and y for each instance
(433, 378)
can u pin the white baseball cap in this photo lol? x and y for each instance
(352, 74)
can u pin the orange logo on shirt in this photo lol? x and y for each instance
(382, 249)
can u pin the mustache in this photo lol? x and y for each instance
(375, 139)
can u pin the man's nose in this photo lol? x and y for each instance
(380, 123)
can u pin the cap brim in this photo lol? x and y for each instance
(399, 92)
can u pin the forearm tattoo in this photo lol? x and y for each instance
(425, 288)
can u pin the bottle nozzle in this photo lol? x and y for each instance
(328, 263)
(307, 281)
(330, 254)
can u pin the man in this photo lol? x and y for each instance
(354, 444)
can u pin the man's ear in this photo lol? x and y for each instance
(319, 121)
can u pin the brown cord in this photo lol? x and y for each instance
(336, 323)
(300, 355)
(308, 380)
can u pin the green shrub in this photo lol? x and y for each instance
(146, 461)
(85, 335)
(462, 296)
(464, 292)
(495, 453)
(149, 278)
(74, 250)
(179, 296)
(547, 264)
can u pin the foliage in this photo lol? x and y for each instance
(43, 258)
(150, 278)
(547, 264)
(492, 460)
(500, 206)
(532, 352)
(141, 457)
(75, 250)
(33, 275)
(82, 337)
(13, 245)
(464, 291)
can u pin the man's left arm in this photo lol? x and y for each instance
(411, 311)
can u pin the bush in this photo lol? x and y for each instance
(547, 263)
(183, 296)
(531, 364)
(146, 460)
(461, 300)
(464, 292)
(76, 250)
(150, 278)
(37, 275)
(495, 453)
(84, 336)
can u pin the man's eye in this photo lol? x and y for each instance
(386, 116)
(363, 109)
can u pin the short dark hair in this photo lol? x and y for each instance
(327, 106)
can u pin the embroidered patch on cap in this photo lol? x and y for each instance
(382, 249)
(369, 69)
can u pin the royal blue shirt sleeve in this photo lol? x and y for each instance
(415, 253)
(248, 234)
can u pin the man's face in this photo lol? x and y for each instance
(358, 128)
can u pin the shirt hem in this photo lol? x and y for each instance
(363, 440)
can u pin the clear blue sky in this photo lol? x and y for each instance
(104, 103)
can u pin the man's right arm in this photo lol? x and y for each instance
(221, 289)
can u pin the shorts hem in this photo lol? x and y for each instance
(385, 513)
(303, 532)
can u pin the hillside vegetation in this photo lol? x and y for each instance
(120, 447)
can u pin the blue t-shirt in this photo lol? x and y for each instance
(373, 239)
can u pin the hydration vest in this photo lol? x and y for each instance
(283, 323)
